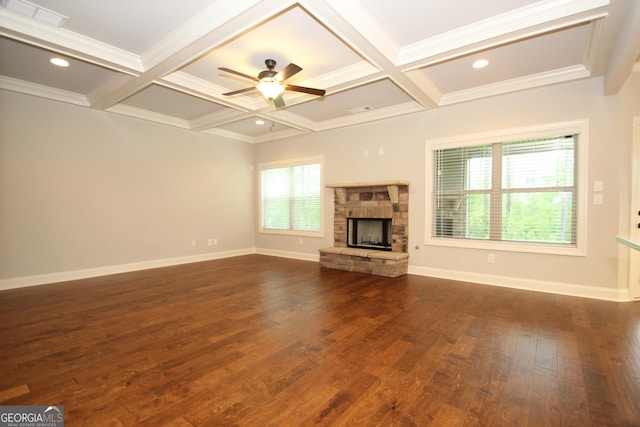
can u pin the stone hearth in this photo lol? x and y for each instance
(386, 199)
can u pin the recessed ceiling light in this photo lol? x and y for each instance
(59, 62)
(480, 63)
(259, 122)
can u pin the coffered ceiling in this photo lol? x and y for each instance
(159, 60)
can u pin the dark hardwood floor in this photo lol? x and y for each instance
(261, 341)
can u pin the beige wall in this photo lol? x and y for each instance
(403, 140)
(82, 189)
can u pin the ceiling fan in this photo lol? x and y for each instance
(271, 83)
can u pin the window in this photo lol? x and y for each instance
(508, 191)
(291, 197)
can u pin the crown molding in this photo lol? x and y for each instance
(371, 115)
(42, 91)
(32, 31)
(268, 137)
(561, 75)
(360, 71)
(139, 113)
(230, 135)
(595, 31)
(218, 118)
(290, 120)
(271, 136)
(204, 89)
(523, 22)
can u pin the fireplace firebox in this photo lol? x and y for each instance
(369, 233)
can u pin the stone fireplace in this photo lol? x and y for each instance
(381, 209)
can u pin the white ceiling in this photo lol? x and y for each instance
(158, 60)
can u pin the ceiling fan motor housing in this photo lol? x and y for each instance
(268, 74)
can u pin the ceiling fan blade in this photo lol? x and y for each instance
(309, 90)
(289, 71)
(278, 102)
(238, 73)
(235, 92)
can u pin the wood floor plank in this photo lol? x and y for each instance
(14, 392)
(484, 406)
(259, 340)
(515, 404)
(544, 407)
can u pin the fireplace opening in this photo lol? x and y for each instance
(369, 233)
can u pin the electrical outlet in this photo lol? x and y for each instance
(300, 241)
(491, 258)
(209, 242)
(193, 243)
(215, 241)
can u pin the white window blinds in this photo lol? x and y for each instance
(291, 197)
(521, 191)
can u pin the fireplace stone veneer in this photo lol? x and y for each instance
(385, 199)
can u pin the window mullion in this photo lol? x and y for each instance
(495, 215)
(292, 196)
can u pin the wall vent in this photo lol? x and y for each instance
(360, 109)
(33, 10)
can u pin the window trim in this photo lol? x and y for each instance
(579, 127)
(284, 164)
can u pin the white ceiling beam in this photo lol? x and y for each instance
(625, 53)
(356, 28)
(184, 51)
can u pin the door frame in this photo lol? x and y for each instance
(634, 230)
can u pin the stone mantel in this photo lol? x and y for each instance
(392, 188)
(367, 184)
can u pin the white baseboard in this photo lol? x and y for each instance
(287, 254)
(595, 292)
(64, 276)
(608, 294)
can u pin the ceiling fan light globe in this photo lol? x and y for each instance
(270, 89)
